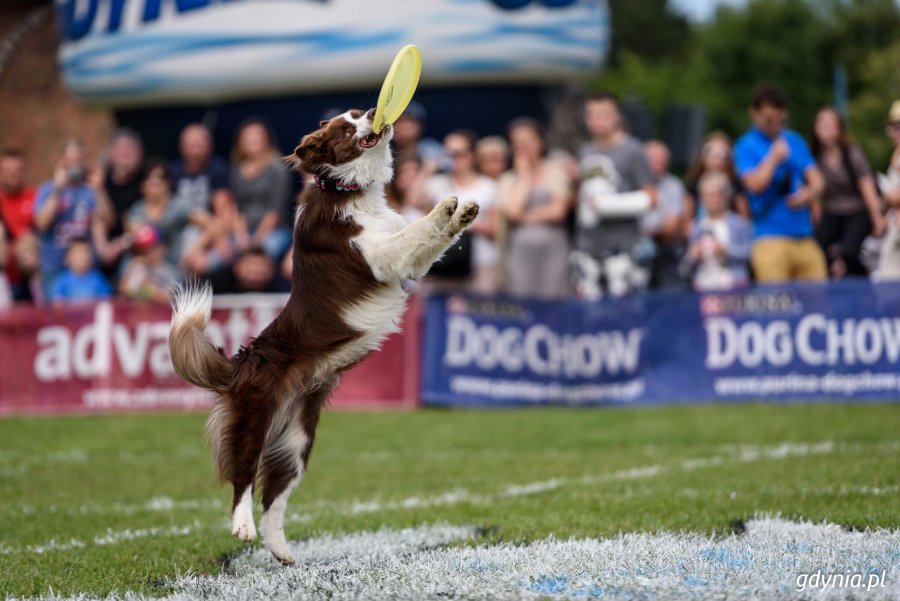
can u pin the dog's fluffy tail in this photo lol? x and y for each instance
(193, 355)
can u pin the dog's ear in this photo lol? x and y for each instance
(314, 151)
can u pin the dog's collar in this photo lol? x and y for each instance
(331, 185)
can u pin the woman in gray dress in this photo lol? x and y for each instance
(535, 199)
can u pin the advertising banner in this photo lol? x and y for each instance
(115, 356)
(138, 52)
(837, 341)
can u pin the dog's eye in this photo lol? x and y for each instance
(348, 134)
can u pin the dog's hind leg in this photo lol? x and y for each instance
(244, 445)
(242, 513)
(280, 472)
(283, 465)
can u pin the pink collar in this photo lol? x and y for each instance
(331, 185)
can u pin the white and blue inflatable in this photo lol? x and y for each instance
(142, 52)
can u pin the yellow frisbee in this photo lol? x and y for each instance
(398, 87)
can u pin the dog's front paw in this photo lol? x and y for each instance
(463, 217)
(444, 210)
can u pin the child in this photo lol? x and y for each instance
(148, 275)
(720, 244)
(80, 281)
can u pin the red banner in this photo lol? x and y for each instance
(114, 356)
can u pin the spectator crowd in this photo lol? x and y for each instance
(772, 206)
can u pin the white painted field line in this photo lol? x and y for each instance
(769, 561)
(111, 537)
(762, 563)
(310, 514)
(114, 537)
(19, 463)
(307, 514)
(51, 545)
(63, 456)
(744, 454)
(843, 490)
(160, 504)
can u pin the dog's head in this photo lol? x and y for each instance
(345, 148)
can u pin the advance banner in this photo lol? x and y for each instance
(836, 341)
(114, 356)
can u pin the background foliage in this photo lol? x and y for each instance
(661, 58)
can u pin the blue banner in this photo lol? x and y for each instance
(837, 341)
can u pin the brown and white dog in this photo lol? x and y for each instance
(352, 254)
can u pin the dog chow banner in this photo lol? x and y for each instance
(114, 356)
(802, 342)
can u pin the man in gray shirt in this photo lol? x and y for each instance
(616, 190)
(667, 223)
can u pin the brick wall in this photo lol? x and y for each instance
(36, 112)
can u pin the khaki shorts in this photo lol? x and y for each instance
(784, 259)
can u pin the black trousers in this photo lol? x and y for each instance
(665, 271)
(846, 232)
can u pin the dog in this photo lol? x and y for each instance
(352, 255)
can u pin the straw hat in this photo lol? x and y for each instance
(894, 113)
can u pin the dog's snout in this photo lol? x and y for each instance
(370, 114)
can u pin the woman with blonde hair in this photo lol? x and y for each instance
(492, 156)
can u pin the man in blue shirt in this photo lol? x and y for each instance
(63, 211)
(782, 182)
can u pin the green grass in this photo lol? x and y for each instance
(80, 477)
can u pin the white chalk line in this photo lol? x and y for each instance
(767, 561)
(316, 511)
(745, 454)
(742, 453)
(763, 563)
(19, 463)
(111, 537)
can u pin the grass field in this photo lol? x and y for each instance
(97, 505)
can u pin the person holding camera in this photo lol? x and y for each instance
(64, 210)
(783, 185)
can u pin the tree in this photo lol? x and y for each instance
(779, 41)
(880, 85)
(794, 43)
(649, 29)
(853, 29)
